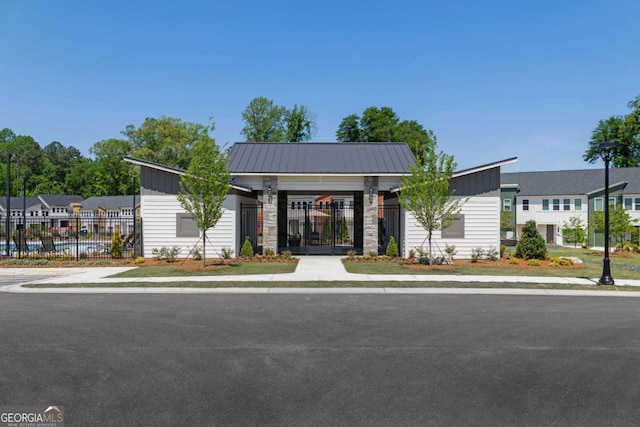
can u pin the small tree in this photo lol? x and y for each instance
(392, 248)
(117, 245)
(574, 231)
(204, 186)
(247, 248)
(326, 228)
(425, 192)
(531, 244)
(621, 226)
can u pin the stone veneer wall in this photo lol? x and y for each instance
(270, 214)
(370, 220)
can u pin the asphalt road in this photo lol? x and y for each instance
(323, 360)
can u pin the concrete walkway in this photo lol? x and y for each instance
(310, 268)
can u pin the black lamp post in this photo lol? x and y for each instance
(8, 207)
(606, 151)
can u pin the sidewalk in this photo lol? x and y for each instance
(310, 268)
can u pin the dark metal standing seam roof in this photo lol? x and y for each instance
(320, 158)
(567, 182)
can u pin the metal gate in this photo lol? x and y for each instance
(321, 229)
(251, 226)
(388, 225)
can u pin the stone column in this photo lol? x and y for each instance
(270, 214)
(370, 217)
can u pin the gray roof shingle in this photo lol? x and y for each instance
(320, 158)
(108, 202)
(59, 199)
(567, 182)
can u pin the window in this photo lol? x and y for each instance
(186, 226)
(350, 204)
(628, 203)
(566, 204)
(455, 230)
(556, 204)
(545, 204)
(506, 205)
(525, 204)
(636, 202)
(577, 204)
(598, 204)
(612, 202)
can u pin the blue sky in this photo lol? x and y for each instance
(492, 79)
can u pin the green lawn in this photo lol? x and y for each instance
(172, 270)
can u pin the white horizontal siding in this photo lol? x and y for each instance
(386, 183)
(550, 217)
(321, 183)
(481, 229)
(159, 226)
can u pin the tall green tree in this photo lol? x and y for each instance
(383, 125)
(112, 174)
(379, 124)
(624, 131)
(166, 140)
(349, 129)
(204, 187)
(264, 121)
(61, 160)
(299, 124)
(425, 192)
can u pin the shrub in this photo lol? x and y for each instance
(503, 249)
(476, 254)
(392, 248)
(226, 253)
(197, 252)
(531, 244)
(117, 245)
(34, 255)
(491, 254)
(83, 255)
(286, 254)
(412, 253)
(373, 254)
(51, 256)
(247, 249)
(67, 257)
(172, 253)
(450, 250)
(514, 261)
(351, 254)
(533, 262)
(269, 253)
(508, 254)
(139, 260)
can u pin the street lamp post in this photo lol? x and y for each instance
(8, 207)
(606, 153)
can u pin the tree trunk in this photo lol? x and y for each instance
(204, 247)
(430, 257)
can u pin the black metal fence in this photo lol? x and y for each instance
(70, 238)
(388, 226)
(251, 225)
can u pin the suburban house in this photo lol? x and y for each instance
(318, 198)
(551, 198)
(103, 214)
(62, 213)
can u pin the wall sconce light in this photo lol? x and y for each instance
(370, 194)
(269, 195)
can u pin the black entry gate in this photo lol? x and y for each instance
(320, 229)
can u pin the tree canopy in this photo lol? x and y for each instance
(383, 125)
(264, 121)
(624, 131)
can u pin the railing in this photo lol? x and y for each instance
(70, 238)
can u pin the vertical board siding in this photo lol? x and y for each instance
(481, 229)
(159, 227)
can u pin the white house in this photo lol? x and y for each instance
(551, 198)
(276, 193)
